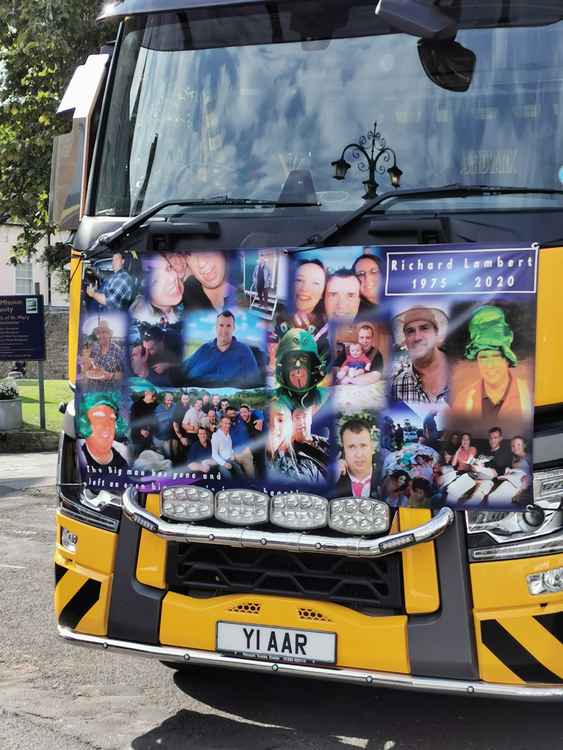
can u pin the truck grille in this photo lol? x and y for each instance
(198, 569)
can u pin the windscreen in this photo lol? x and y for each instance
(207, 104)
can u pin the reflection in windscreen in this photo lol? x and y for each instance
(236, 121)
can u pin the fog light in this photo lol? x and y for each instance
(297, 511)
(549, 582)
(69, 540)
(241, 507)
(186, 503)
(358, 515)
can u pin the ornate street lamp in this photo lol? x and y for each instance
(384, 155)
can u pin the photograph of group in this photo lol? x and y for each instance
(391, 373)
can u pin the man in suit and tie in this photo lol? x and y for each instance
(359, 477)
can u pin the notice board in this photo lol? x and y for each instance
(22, 327)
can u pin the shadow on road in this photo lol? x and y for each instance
(309, 714)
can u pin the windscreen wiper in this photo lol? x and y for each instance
(104, 242)
(446, 191)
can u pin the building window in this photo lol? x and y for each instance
(24, 278)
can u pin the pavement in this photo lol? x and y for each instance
(22, 471)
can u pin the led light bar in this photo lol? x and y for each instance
(299, 511)
(186, 503)
(241, 507)
(358, 515)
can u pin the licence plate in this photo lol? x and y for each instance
(276, 644)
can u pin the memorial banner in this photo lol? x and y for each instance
(397, 373)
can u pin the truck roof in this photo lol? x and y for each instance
(473, 14)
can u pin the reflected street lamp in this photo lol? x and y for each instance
(384, 155)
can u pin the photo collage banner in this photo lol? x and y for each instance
(400, 373)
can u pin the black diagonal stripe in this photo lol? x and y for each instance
(80, 603)
(553, 623)
(513, 654)
(59, 572)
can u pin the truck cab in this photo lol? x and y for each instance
(215, 151)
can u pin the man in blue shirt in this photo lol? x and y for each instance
(223, 361)
(118, 292)
(242, 434)
(164, 416)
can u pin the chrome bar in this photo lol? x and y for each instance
(335, 674)
(288, 541)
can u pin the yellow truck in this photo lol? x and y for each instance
(318, 420)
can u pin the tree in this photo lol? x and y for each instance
(41, 43)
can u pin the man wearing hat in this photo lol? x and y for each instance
(496, 393)
(105, 355)
(422, 331)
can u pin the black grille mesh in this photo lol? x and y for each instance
(214, 570)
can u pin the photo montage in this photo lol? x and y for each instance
(458, 428)
(396, 373)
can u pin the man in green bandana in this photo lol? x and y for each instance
(498, 396)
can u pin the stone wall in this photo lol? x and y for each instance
(56, 338)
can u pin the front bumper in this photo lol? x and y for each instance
(288, 541)
(354, 676)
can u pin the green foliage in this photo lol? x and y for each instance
(41, 43)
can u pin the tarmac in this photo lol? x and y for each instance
(23, 471)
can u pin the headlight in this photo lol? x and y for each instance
(298, 511)
(241, 507)
(537, 530)
(549, 582)
(186, 503)
(358, 515)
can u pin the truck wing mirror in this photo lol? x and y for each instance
(69, 164)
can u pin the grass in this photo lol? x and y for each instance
(55, 392)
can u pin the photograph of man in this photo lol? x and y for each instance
(299, 370)
(99, 424)
(425, 377)
(342, 295)
(153, 359)
(245, 435)
(367, 268)
(104, 361)
(193, 419)
(164, 416)
(358, 476)
(199, 453)
(366, 337)
(261, 280)
(293, 454)
(222, 451)
(495, 394)
(207, 288)
(118, 291)
(500, 455)
(222, 410)
(142, 419)
(180, 438)
(212, 421)
(305, 443)
(224, 361)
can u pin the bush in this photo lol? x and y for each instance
(8, 390)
